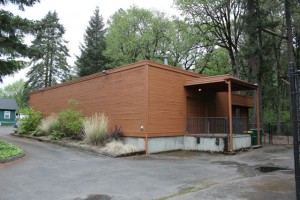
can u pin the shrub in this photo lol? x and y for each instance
(46, 126)
(30, 122)
(96, 129)
(55, 135)
(117, 134)
(69, 124)
(117, 147)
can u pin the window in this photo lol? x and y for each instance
(6, 114)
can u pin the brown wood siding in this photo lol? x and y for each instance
(200, 104)
(120, 95)
(167, 102)
(237, 100)
(141, 94)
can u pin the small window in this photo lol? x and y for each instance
(6, 114)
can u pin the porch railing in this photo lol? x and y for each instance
(217, 125)
(207, 125)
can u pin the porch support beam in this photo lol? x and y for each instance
(258, 116)
(230, 116)
(146, 145)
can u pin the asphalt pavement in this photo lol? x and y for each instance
(51, 172)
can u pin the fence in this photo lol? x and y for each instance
(207, 125)
(294, 76)
(280, 133)
(217, 125)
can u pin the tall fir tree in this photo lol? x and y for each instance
(12, 31)
(49, 63)
(92, 59)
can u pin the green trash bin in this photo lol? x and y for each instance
(254, 136)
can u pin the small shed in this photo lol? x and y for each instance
(156, 102)
(8, 112)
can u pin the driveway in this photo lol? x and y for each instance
(53, 172)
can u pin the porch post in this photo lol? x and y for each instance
(146, 145)
(230, 117)
(258, 116)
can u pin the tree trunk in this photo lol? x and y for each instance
(255, 59)
(288, 19)
(234, 62)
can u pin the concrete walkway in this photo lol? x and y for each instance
(52, 172)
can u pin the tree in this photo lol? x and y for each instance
(185, 45)
(222, 18)
(136, 34)
(215, 63)
(14, 91)
(49, 64)
(12, 31)
(92, 59)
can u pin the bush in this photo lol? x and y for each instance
(96, 129)
(46, 126)
(68, 124)
(117, 134)
(29, 123)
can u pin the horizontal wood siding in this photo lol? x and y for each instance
(121, 95)
(167, 103)
(237, 100)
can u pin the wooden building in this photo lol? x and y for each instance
(8, 112)
(147, 99)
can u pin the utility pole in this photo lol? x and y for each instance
(295, 95)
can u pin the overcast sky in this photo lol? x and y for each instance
(75, 15)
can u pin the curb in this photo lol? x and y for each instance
(12, 158)
(62, 144)
(74, 146)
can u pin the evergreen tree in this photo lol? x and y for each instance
(49, 64)
(12, 31)
(92, 59)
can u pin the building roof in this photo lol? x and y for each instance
(8, 104)
(120, 69)
(219, 83)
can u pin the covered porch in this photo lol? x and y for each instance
(216, 109)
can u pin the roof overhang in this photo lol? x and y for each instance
(219, 83)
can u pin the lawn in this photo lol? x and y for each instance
(8, 150)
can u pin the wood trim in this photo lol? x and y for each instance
(220, 79)
(174, 69)
(147, 108)
(147, 98)
(151, 135)
(120, 69)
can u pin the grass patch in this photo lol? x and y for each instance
(8, 150)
